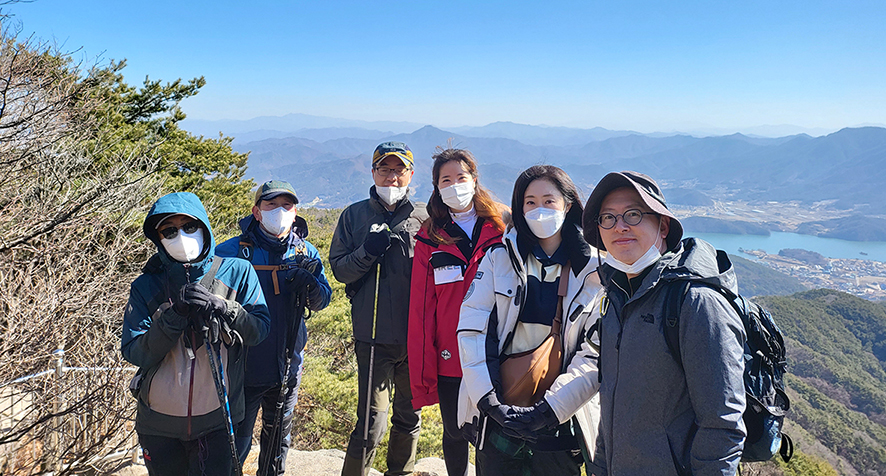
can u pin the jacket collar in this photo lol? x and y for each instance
(580, 252)
(693, 260)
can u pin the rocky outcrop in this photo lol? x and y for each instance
(316, 463)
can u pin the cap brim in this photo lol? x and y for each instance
(610, 182)
(276, 193)
(163, 219)
(404, 159)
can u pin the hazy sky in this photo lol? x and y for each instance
(647, 66)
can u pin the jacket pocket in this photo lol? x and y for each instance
(181, 386)
(680, 438)
(507, 285)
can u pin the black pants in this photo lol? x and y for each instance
(455, 446)
(390, 381)
(209, 455)
(505, 456)
(271, 461)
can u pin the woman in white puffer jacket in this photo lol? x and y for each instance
(510, 308)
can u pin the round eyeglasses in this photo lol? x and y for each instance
(629, 217)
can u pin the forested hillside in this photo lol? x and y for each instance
(836, 347)
(758, 280)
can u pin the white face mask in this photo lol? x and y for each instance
(278, 220)
(184, 248)
(544, 222)
(652, 255)
(391, 195)
(458, 196)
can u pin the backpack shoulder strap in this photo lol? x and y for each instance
(675, 294)
(207, 278)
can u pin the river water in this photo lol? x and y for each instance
(776, 241)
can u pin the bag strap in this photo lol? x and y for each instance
(675, 294)
(787, 447)
(561, 294)
(674, 297)
(207, 278)
(558, 315)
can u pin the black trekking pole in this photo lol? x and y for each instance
(276, 436)
(371, 364)
(218, 376)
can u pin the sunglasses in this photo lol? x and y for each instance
(187, 228)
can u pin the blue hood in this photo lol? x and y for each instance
(185, 203)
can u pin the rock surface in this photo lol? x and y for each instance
(315, 463)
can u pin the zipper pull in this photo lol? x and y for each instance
(189, 345)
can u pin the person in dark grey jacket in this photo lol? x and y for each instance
(663, 414)
(375, 238)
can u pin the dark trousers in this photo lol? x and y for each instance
(455, 446)
(504, 456)
(390, 381)
(266, 399)
(209, 455)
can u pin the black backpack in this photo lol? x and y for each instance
(765, 366)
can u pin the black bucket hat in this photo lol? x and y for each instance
(649, 192)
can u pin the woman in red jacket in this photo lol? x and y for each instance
(464, 221)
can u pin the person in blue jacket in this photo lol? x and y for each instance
(183, 291)
(289, 268)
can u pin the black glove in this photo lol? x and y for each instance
(378, 240)
(312, 265)
(504, 415)
(537, 418)
(180, 305)
(203, 303)
(297, 280)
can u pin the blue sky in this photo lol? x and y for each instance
(647, 66)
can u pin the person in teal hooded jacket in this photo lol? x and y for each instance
(183, 291)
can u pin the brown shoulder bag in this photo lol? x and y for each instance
(526, 376)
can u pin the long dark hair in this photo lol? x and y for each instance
(438, 212)
(564, 184)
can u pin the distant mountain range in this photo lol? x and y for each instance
(329, 166)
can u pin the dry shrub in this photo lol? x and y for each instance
(70, 211)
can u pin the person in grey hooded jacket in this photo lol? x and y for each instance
(663, 414)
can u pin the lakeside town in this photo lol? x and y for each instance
(863, 278)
